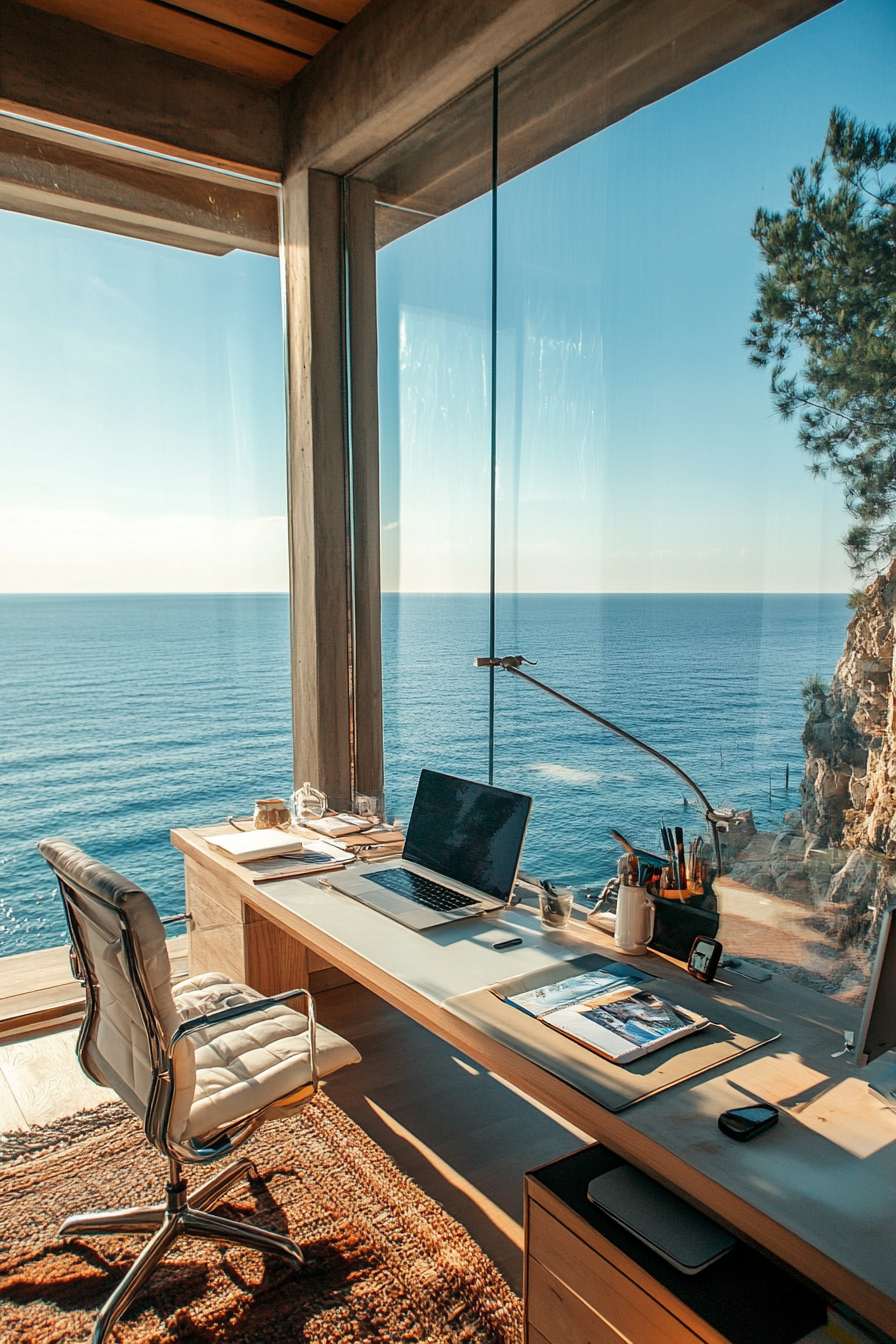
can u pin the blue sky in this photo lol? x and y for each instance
(143, 442)
(638, 449)
(143, 437)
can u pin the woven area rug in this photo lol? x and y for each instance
(387, 1262)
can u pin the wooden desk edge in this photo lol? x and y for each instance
(741, 1217)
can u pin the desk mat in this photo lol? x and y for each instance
(612, 1086)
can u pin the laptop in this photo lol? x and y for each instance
(460, 860)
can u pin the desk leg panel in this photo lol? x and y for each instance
(230, 936)
(215, 939)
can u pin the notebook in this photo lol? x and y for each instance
(245, 845)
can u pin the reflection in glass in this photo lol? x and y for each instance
(433, 316)
(662, 551)
(144, 620)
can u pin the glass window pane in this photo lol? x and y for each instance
(434, 315)
(663, 551)
(144, 650)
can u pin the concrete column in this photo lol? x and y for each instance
(329, 269)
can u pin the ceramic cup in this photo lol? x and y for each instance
(635, 914)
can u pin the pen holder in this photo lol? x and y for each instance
(678, 923)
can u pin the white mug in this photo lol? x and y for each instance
(635, 915)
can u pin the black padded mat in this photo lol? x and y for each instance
(613, 1086)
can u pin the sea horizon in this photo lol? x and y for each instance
(128, 714)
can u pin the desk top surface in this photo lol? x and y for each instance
(824, 1178)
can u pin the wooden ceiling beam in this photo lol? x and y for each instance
(75, 181)
(57, 69)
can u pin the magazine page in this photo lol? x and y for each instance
(577, 988)
(625, 1022)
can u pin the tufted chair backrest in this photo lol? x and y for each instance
(119, 942)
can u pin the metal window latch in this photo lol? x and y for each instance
(849, 1044)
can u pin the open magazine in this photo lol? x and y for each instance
(610, 1011)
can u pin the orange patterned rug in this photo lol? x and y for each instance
(387, 1262)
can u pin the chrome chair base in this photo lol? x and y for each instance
(178, 1217)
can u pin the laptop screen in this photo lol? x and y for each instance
(470, 832)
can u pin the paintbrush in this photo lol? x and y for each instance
(670, 853)
(679, 854)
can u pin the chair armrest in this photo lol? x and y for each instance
(194, 1024)
(176, 919)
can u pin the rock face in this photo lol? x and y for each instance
(849, 787)
(831, 868)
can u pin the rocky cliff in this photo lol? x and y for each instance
(832, 865)
(849, 787)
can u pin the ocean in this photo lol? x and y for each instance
(125, 716)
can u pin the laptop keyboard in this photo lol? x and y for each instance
(420, 889)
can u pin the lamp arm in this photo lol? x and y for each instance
(512, 664)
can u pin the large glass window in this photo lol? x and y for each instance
(144, 624)
(662, 550)
(434, 317)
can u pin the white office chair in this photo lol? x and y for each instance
(202, 1065)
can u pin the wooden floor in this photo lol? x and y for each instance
(461, 1133)
(38, 990)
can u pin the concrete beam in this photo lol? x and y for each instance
(319, 545)
(394, 65)
(599, 68)
(333, 485)
(57, 69)
(403, 96)
(79, 181)
(364, 485)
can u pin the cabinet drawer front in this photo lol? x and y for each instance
(556, 1314)
(633, 1313)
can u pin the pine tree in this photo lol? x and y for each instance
(829, 295)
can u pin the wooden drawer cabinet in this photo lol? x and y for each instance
(588, 1281)
(598, 1300)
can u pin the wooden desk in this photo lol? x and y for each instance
(819, 1192)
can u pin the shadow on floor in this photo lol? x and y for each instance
(481, 1137)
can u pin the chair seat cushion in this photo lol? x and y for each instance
(243, 1066)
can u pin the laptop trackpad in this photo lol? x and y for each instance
(414, 916)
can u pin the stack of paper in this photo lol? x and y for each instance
(245, 845)
(343, 823)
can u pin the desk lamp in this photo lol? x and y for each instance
(714, 816)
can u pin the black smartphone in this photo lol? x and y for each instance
(748, 1122)
(704, 959)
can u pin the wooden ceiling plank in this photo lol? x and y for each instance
(312, 15)
(182, 34)
(259, 19)
(260, 38)
(342, 10)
